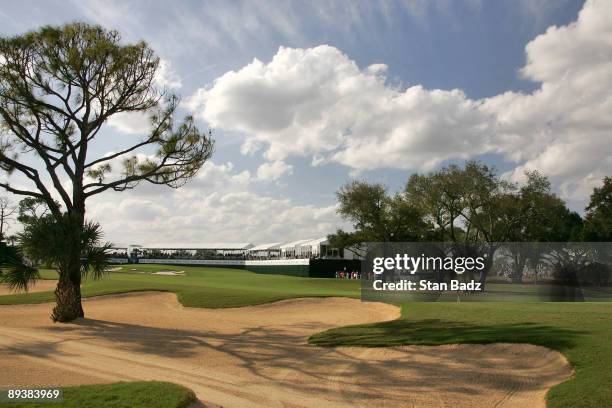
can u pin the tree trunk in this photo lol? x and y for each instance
(68, 293)
(68, 300)
(1, 224)
(518, 267)
(488, 266)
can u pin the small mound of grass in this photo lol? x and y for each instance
(141, 394)
(581, 331)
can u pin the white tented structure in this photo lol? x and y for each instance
(220, 250)
(302, 249)
(318, 248)
(133, 250)
(265, 251)
(308, 248)
(293, 249)
(305, 257)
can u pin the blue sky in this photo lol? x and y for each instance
(373, 90)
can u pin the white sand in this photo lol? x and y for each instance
(169, 273)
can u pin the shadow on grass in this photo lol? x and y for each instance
(437, 331)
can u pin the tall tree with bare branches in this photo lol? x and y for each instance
(7, 210)
(58, 88)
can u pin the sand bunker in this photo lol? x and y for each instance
(169, 273)
(162, 272)
(258, 356)
(42, 285)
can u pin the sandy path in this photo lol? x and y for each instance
(42, 285)
(259, 356)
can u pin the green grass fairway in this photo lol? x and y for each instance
(581, 331)
(202, 286)
(149, 394)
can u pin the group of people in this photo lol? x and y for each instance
(344, 274)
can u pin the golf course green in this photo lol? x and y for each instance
(581, 331)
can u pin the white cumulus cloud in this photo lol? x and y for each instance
(319, 103)
(564, 129)
(274, 170)
(130, 123)
(166, 77)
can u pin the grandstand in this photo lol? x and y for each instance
(219, 251)
(265, 251)
(307, 257)
(308, 248)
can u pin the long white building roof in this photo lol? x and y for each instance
(265, 247)
(231, 245)
(294, 244)
(214, 245)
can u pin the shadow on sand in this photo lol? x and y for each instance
(277, 356)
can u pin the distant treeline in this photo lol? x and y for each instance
(469, 204)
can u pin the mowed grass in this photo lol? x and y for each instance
(140, 394)
(581, 331)
(201, 286)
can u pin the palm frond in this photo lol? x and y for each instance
(53, 241)
(94, 259)
(17, 274)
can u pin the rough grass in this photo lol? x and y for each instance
(145, 394)
(581, 331)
